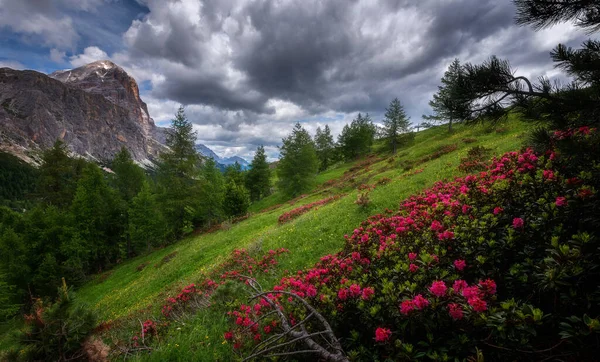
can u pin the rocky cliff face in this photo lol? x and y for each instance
(95, 109)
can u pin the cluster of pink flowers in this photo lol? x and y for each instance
(382, 334)
(418, 243)
(290, 215)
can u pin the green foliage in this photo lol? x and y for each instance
(178, 177)
(357, 138)
(182, 160)
(8, 307)
(17, 181)
(491, 90)
(98, 219)
(210, 207)
(57, 331)
(396, 124)
(235, 173)
(258, 177)
(128, 177)
(504, 262)
(447, 104)
(236, 201)
(147, 227)
(325, 147)
(58, 176)
(298, 163)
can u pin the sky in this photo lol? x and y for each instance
(248, 70)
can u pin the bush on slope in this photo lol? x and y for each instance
(503, 264)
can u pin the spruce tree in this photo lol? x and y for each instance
(213, 189)
(357, 138)
(178, 176)
(235, 173)
(128, 177)
(298, 163)
(147, 227)
(98, 220)
(396, 123)
(258, 178)
(325, 147)
(446, 103)
(237, 199)
(58, 176)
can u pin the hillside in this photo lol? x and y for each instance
(136, 289)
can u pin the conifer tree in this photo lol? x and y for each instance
(258, 178)
(237, 199)
(325, 147)
(97, 215)
(396, 123)
(213, 189)
(178, 176)
(493, 90)
(298, 165)
(235, 173)
(357, 138)
(147, 226)
(446, 103)
(58, 176)
(128, 177)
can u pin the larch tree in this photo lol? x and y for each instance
(298, 164)
(258, 178)
(178, 176)
(325, 147)
(395, 124)
(447, 104)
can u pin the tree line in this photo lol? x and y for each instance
(82, 219)
(72, 218)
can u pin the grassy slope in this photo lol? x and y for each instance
(125, 291)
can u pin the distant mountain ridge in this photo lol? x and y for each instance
(221, 162)
(95, 109)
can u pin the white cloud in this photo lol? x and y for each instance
(89, 55)
(11, 64)
(39, 21)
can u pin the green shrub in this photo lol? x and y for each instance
(503, 264)
(56, 332)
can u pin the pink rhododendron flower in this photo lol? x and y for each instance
(412, 256)
(460, 264)
(561, 201)
(382, 334)
(407, 306)
(355, 290)
(438, 288)
(343, 294)
(478, 304)
(455, 311)
(498, 210)
(548, 174)
(470, 292)
(488, 286)
(459, 285)
(436, 226)
(446, 235)
(420, 302)
(518, 223)
(367, 293)
(413, 268)
(228, 335)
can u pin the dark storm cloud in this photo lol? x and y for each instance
(249, 69)
(335, 55)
